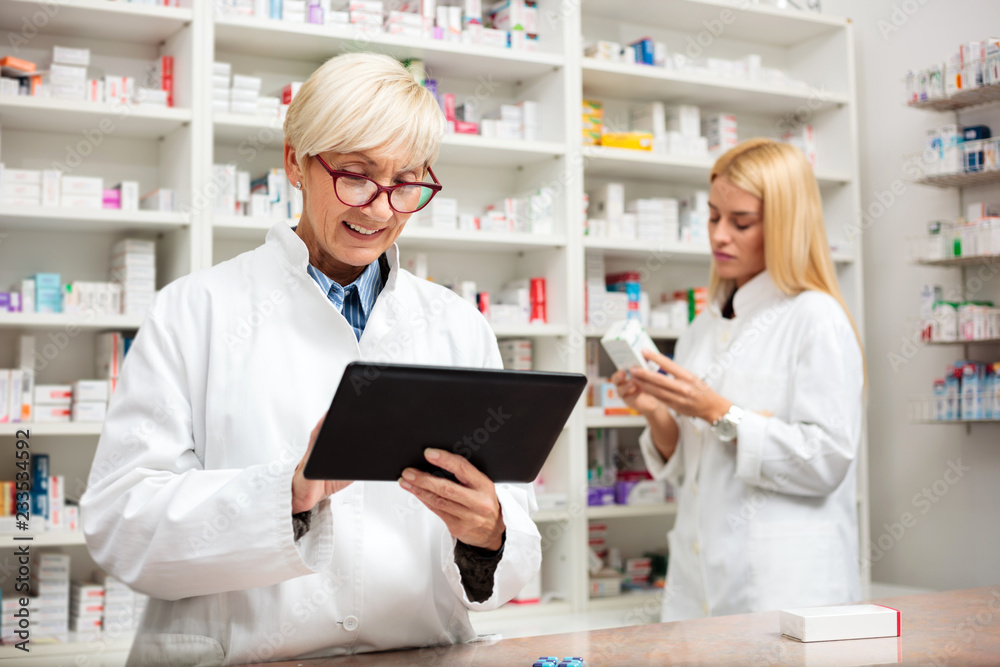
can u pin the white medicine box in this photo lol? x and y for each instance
(858, 621)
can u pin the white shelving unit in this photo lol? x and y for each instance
(978, 104)
(177, 147)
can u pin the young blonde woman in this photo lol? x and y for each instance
(758, 423)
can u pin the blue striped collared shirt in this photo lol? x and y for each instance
(354, 302)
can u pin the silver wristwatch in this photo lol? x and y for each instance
(726, 425)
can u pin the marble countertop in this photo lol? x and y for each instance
(954, 628)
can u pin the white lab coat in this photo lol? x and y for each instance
(771, 521)
(189, 498)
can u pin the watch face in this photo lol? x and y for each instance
(726, 429)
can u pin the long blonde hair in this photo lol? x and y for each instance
(796, 250)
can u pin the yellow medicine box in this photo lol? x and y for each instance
(640, 141)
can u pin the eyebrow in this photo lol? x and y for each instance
(711, 205)
(371, 163)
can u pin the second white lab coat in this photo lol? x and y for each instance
(771, 521)
(189, 498)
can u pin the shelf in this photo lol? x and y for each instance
(100, 19)
(54, 538)
(753, 23)
(519, 611)
(243, 227)
(638, 599)
(529, 330)
(675, 169)
(655, 84)
(632, 249)
(468, 149)
(54, 428)
(615, 421)
(472, 149)
(551, 516)
(78, 646)
(303, 41)
(629, 511)
(962, 100)
(961, 180)
(977, 260)
(957, 421)
(57, 218)
(981, 341)
(61, 320)
(592, 331)
(438, 239)
(42, 114)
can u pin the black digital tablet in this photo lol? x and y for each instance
(383, 416)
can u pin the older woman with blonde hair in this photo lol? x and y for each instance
(757, 420)
(197, 496)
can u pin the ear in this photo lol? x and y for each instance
(292, 166)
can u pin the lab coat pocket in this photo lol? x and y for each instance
(792, 564)
(175, 650)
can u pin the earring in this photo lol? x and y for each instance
(298, 185)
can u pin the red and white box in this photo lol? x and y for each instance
(858, 621)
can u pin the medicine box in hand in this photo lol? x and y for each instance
(858, 621)
(624, 343)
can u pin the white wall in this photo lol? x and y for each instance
(954, 541)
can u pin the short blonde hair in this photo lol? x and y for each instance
(796, 250)
(363, 101)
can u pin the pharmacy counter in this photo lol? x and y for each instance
(952, 628)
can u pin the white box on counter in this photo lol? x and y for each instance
(857, 621)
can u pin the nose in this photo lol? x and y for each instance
(719, 234)
(379, 208)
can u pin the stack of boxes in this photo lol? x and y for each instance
(516, 354)
(48, 293)
(804, 139)
(221, 80)
(683, 132)
(90, 400)
(443, 213)
(720, 132)
(123, 607)
(271, 195)
(133, 265)
(694, 214)
(244, 96)
(31, 187)
(593, 122)
(50, 586)
(67, 76)
(53, 403)
(366, 15)
(81, 192)
(657, 219)
(511, 122)
(86, 608)
(110, 349)
(21, 187)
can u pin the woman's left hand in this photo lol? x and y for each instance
(470, 509)
(685, 392)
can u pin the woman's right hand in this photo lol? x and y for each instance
(634, 397)
(306, 493)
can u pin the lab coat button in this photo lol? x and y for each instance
(694, 488)
(697, 549)
(704, 608)
(351, 623)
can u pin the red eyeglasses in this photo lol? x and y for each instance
(357, 190)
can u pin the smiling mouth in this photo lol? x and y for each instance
(363, 231)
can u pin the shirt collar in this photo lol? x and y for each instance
(293, 250)
(755, 295)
